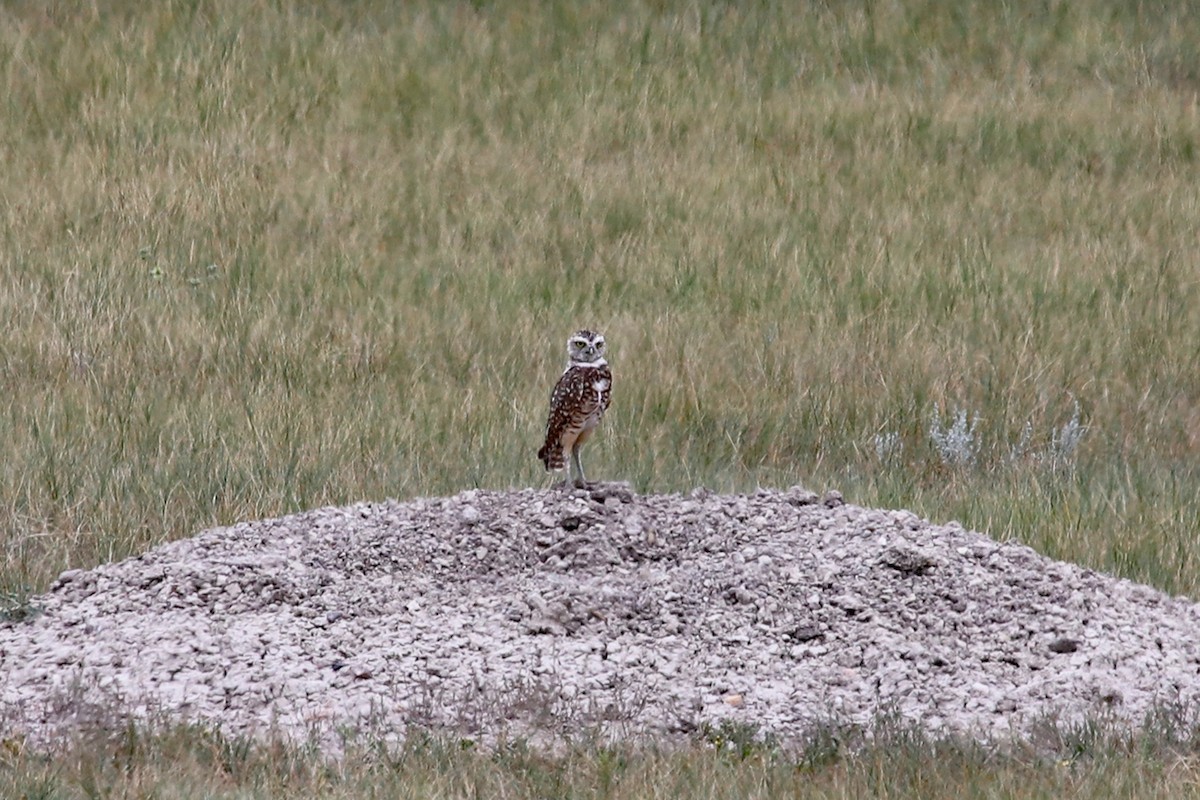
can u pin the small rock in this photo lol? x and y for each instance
(601, 493)
(804, 633)
(67, 577)
(799, 496)
(907, 559)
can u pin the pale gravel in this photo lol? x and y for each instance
(548, 614)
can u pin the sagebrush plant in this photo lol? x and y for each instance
(956, 444)
(257, 257)
(1065, 441)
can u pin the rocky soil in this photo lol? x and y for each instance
(547, 613)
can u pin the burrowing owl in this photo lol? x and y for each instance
(577, 403)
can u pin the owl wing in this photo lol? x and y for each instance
(604, 374)
(576, 396)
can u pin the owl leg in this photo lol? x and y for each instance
(580, 481)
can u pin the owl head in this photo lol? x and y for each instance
(585, 347)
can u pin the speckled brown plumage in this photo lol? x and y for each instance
(578, 402)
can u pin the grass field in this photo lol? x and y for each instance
(257, 257)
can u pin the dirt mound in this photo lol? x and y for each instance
(546, 612)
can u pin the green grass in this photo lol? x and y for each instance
(257, 257)
(191, 762)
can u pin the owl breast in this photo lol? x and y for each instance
(585, 394)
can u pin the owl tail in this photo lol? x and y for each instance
(552, 457)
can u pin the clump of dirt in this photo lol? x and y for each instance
(546, 613)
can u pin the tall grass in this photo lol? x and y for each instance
(188, 762)
(257, 257)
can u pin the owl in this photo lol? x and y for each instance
(577, 403)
